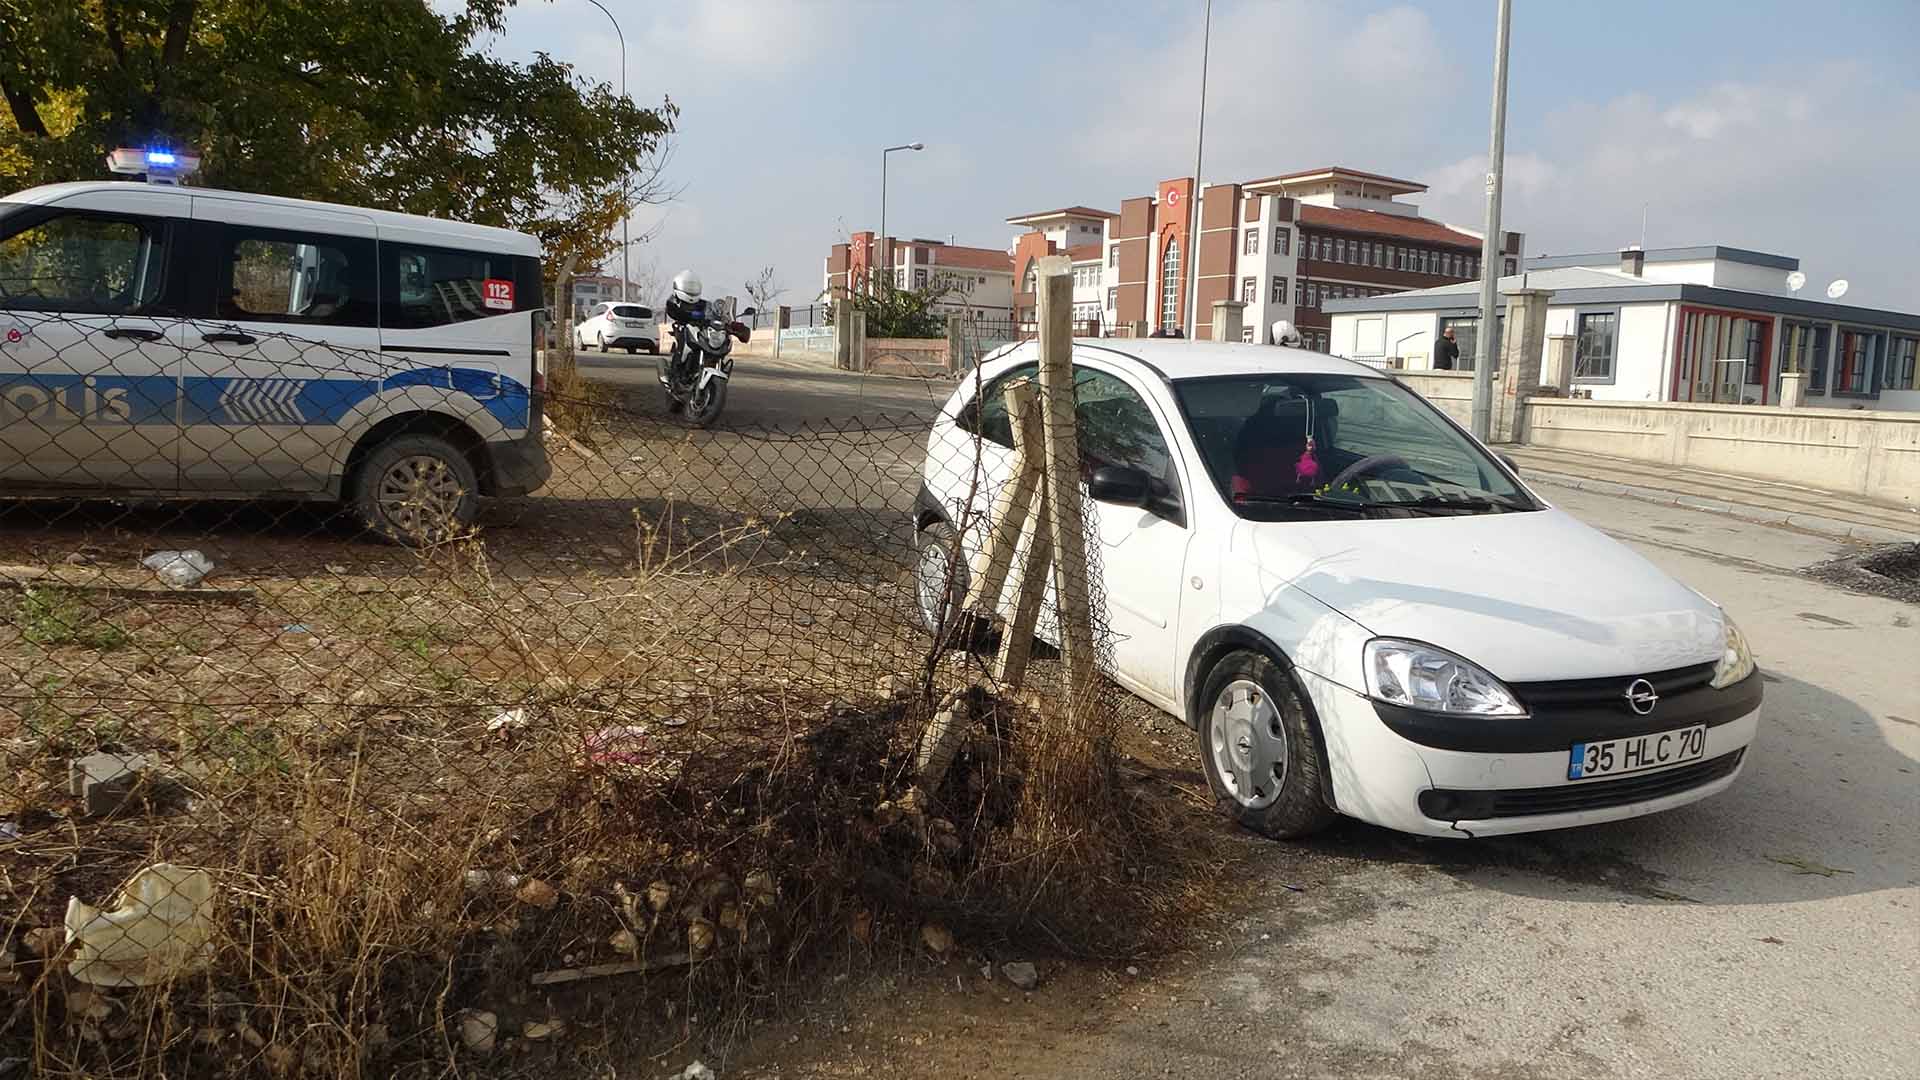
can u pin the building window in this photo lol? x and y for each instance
(1512, 268)
(1466, 334)
(1857, 367)
(1170, 285)
(1900, 364)
(1595, 333)
(1720, 354)
(1113, 296)
(1250, 245)
(1803, 347)
(1300, 293)
(1280, 296)
(920, 278)
(1282, 240)
(1113, 257)
(1249, 290)
(1340, 250)
(1314, 252)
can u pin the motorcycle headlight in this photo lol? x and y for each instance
(1419, 676)
(1736, 659)
(715, 338)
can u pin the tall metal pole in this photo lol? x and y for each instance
(626, 245)
(880, 242)
(1199, 146)
(1490, 247)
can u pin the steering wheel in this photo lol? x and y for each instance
(1365, 465)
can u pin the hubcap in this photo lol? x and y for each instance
(935, 566)
(1248, 741)
(421, 496)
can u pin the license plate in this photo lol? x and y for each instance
(1636, 753)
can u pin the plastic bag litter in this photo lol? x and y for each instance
(510, 720)
(179, 569)
(161, 926)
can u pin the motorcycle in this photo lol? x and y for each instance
(695, 372)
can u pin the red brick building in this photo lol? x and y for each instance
(979, 280)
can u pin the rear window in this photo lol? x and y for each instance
(628, 311)
(438, 286)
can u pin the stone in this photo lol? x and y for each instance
(542, 1029)
(659, 895)
(478, 1030)
(699, 937)
(103, 782)
(624, 942)
(942, 739)
(1021, 974)
(537, 893)
(760, 889)
(938, 940)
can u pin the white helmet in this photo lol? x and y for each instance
(686, 286)
(1285, 334)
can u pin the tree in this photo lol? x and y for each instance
(895, 311)
(382, 103)
(764, 290)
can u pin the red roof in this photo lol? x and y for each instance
(1339, 171)
(971, 258)
(1065, 211)
(1377, 224)
(1084, 253)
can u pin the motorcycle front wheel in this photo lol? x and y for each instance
(703, 405)
(674, 402)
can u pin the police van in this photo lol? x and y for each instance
(169, 341)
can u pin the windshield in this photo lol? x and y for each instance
(1301, 444)
(628, 311)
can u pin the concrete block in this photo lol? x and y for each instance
(1665, 498)
(1824, 525)
(945, 732)
(103, 782)
(1875, 534)
(1762, 514)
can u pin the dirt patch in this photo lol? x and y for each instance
(1892, 572)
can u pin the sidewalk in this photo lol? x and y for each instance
(1832, 513)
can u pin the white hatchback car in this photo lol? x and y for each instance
(1358, 607)
(618, 325)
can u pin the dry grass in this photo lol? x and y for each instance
(373, 841)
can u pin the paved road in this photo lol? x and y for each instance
(1773, 931)
(782, 394)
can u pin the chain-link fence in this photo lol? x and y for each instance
(353, 708)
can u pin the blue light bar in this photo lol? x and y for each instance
(159, 157)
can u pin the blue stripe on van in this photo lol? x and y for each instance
(225, 402)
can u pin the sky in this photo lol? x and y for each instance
(1776, 125)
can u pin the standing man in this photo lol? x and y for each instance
(1446, 354)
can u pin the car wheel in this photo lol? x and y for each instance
(941, 579)
(417, 490)
(1259, 748)
(603, 343)
(631, 350)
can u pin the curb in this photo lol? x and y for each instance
(1814, 523)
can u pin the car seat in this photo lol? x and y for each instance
(1269, 447)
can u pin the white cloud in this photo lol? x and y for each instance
(1819, 170)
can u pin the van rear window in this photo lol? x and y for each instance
(439, 286)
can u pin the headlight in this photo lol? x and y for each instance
(1736, 660)
(1417, 676)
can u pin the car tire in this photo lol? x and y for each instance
(416, 490)
(603, 343)
(1259, 747)
(938, 555)
(631, 350)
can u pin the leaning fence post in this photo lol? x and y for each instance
(1036, 551)
(1013, 504)
(1066, 515)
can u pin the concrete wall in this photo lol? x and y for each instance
(1641, 355)
(1450, 391)
(1872, 454)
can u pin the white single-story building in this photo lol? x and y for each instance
(1711, 324)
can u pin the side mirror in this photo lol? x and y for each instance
(739, 329)
(1509, 463)
(745, 313)
(1119, 484)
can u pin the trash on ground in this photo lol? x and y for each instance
(9, 830)
(180, 569)
(597, 971)
(296, 628)
(542, 1029)
(625, 746)
(695, 1071)
(161, 926)
(510, 720)
(103, 782)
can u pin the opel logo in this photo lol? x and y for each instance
(1641, 696)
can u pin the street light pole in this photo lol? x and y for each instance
(1199, 145)
(1490, 245)
(879, 244)
(626, 245)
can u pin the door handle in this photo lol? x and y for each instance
(228, 337)
(134, 333)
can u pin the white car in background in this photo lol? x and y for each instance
(618, 324)
(1357, 607)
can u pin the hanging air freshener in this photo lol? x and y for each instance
(1307, 469)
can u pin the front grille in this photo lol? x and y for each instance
(1611, 690)
(1445, 805)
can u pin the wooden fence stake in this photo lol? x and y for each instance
(1064, 511)
(1016, 639)
(1013, 503)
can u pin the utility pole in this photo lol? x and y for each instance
(880, 243)
(626, 245)
(1491, 247)
(1199, 146)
